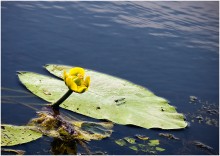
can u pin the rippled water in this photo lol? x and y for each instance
(172, 48)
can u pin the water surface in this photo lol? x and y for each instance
(169, 47)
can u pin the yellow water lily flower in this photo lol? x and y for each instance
(75, 80)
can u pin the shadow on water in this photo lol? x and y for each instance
(170, 48)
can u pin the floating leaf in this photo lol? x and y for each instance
(120, 142)
(160, 149)
(153, 142)
(169, 136)
(142, 137)
(193, 98)
(202, 145)
(18, 152)
(130, 140)
(108, 98)
(14, 135)
(147, 146)
(133, 148)
(142, 146)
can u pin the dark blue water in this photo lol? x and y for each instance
(172, 48)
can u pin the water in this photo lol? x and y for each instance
(169, 47)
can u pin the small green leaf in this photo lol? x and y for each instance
(142, 146)
(160, 149)
(14, 135)
(120, 142)
(150, 147)
(133, 148)
(130, 140)
(153, 142)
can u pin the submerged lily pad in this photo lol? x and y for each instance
(108, 98)
(93, 131)
(14, 135)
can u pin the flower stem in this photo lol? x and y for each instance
(63, 98)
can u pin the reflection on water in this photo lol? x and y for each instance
(165, 19)
(197, 22)
(169, 47)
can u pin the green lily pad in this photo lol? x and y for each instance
(147, 146)
(120, 142)
(133, 148)
(130, 140)
(153, 142)
(160, 149)
(108, 98)
(14, 135)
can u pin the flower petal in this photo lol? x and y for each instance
(81, 89)
(75, 80)
(77, 70)
(65, 75)
(68, 81)
(73, 86)
(87, 81)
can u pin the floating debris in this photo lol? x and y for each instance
(66, 129)
(200, 118)
(142, 137)
(210, 121)
(169, 136)
(212, 112)
(202, 145)
(18, 152)
(207, 113)
(193, 98)
(97, 153)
